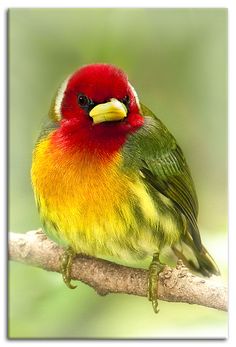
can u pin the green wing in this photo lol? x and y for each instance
(164, 167)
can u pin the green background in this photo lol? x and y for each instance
(177, 61)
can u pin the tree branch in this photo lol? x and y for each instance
(176, 285)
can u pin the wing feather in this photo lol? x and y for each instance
(163, 165)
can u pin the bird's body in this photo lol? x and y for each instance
(109, 178)
(100, 204)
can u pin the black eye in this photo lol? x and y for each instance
(83, 100)
(126, 100)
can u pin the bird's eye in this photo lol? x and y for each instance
(126, 100)
(83, 100)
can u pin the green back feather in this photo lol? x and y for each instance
(164, 167)
(162, 162)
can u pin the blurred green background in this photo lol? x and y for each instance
(177, 61)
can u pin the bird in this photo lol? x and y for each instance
(110, 180)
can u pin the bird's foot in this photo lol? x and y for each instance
(66, 264)
(154, 269)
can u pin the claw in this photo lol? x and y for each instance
(154, 269)
(66, 264)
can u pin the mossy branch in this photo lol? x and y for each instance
(176, 285)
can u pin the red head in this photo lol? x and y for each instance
(96, 105)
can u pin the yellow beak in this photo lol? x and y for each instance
(113, 110)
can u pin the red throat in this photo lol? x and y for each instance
(103, 140)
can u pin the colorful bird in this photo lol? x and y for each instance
(110, 180)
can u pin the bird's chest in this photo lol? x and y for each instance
(96, 189)
(78, 182)
(89, 202)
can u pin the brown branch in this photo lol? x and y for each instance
(177, 285)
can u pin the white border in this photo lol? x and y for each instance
(118, 3)
(231, 5)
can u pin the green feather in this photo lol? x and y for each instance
(163, 168)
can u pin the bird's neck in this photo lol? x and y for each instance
(103, 140)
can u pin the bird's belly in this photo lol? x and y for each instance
(124, 223)
(121, 221)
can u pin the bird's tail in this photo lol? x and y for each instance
(207, 265)
(204, 263)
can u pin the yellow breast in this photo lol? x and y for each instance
(97, 208)
(88, 203)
